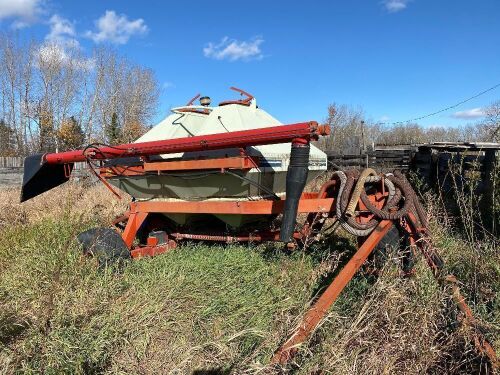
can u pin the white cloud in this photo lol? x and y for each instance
(19, 24)
(61, 46)
(384, 118)
(233, 50)
(62, 32)
(167, 85)
(24, 11)
(19, 8)
(116, 29)
(394, 6)
(469, 114)
(54, 54)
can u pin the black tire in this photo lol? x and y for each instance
(393, 242)
(106, 245)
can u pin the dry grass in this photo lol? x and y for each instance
(398, 326)
(392, 325)
(198, 307)
(221, 309)
(89, 201)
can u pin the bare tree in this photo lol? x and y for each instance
(492, 122)
(129, 91)
(16, 72)
(345, 123)
(61, 71)
(42, 85)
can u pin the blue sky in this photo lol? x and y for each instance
(397, 59)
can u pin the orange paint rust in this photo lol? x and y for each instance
(260, 207)
(316, 313)
(134, 222)
(151, 251)
(239, 162)
(120, 170)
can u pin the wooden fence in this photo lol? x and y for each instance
(11, 162)
(378, 159)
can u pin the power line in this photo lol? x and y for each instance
(442, 110)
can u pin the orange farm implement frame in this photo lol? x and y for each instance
(366, 204)
(318, 206)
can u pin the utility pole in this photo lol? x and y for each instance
(363, 141)
(363, 135)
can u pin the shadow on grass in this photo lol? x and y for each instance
(272, 251)
(11, 328)
(321, 251)
(212, 371)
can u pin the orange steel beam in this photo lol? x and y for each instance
(134, 222)
(479, 340)
(325, 301)
(238, 162)
(260, 207)
(151, 251)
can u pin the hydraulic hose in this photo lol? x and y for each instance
(357, 191)
(416, 202)
(385, 213)
(366, 228)
(346, 182)
(392, 199)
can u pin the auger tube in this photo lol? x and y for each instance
(43, 172)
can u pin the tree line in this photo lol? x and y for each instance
(350, 129)
(55, 98)
(59, 98)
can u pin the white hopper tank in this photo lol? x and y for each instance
(269, 178)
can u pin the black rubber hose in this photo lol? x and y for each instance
(381, 213)
(296, 178)
(352, 176)
(385, 213)
(422, 216)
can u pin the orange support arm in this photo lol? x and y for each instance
(316, 313)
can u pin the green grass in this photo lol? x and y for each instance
(227, 308)
(196, 307)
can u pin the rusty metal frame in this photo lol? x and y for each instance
(139, 211)
(313, 204)
(318, 310)
(421, 240)
(152, 250)
(242, 162)
(236, 207)
(135, 220)
(236, 162)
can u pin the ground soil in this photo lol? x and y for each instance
(10, 177)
